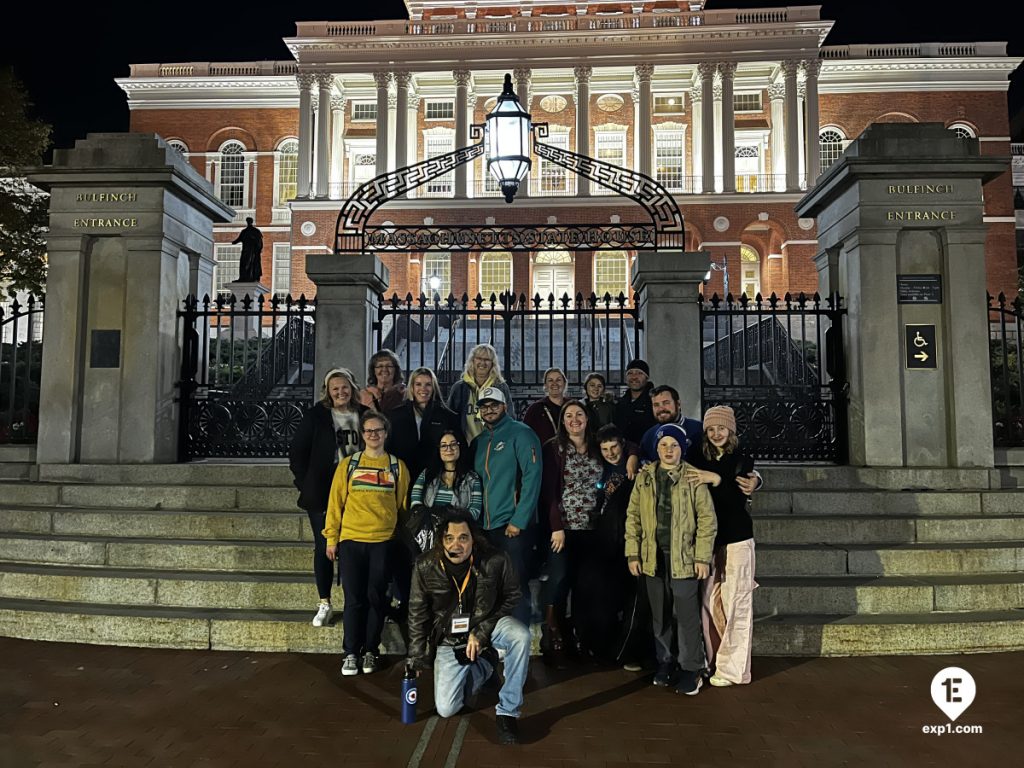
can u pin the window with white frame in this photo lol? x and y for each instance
(668, 104)
(364, 110)
(178, 146)
(232, 174)
(611, 274)
(669, 158)
(962, 131)
(362, 161)
(490, 184)
(609, 146)
(747, 102)
(435, 144)
(225, 268)
(440, 109)
(287, 167)
(495, 273)
(437, 275)
(554, 179)
(831, 143)
(282, 277)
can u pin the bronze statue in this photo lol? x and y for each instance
(250, 266)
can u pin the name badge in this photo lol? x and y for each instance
(460, 623)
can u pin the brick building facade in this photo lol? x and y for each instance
(287, 142)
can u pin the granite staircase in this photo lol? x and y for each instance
(850, 561)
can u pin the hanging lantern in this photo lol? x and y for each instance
(507, 134)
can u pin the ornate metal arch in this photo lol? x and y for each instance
(665, 230)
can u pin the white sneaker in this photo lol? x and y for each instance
(369, 663)
(324, 612)
(350, 666)
(720, 682)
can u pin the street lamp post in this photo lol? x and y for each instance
(507, 135)
(724, 269)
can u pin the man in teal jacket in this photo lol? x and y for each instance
(507, 458)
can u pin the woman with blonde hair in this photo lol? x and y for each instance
(482, 371)
(328, 432)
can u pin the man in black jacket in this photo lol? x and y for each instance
(460, 613)
(633, 413)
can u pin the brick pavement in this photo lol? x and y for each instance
(79, 705)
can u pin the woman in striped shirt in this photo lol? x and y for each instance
(448, 481)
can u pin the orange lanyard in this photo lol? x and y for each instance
(465, 581)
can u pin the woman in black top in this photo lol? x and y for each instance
(328, 432)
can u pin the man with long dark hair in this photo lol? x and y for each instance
(460, 614)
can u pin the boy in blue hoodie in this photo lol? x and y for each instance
(507, 458)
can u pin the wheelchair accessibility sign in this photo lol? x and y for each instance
(920, 347)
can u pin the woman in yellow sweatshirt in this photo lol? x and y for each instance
(368, 492)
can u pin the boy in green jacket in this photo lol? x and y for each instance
(670, 534)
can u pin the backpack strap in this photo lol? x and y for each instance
(353, 464)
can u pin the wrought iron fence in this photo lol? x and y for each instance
(21, 360)
(779, 363)
(1007, 370)
(530, 335)
(246, 375)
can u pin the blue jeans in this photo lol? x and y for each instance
(519, 549)
(453, 682)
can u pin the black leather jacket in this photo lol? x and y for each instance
(434, 599)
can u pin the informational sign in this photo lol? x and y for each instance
(921, 350)
(919, 289)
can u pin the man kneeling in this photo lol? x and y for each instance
(460, 613)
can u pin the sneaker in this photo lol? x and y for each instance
(350, 666)
(689, 683)
(632, 666)
(720, 682)
(369, 663)
(665, 674)
(324, 612)
(508, 730)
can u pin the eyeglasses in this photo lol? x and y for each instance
(449, 446)
(490, 405)
(375, 432)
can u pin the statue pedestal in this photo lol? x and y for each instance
(247, 325)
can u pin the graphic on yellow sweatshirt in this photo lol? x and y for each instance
(366, 499)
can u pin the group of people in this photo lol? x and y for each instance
(440, 512)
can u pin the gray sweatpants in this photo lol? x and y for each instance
(680, 597)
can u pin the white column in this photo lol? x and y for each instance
(583, 75)
(402, 80)
(801, 133)
(644, 73)
(706, 72)
(717, 145)
(383, 80)
(392, 126)
(776, 93)
(789, 69)
(812, 154)
(727, 69)
(522, 76)
(462, 78)
(305, 82)
(323, 134)
(411, 146)
(335, 191)
(697, 151)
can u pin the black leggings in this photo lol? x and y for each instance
(323, 568)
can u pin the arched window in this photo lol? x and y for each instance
(750, 277)
(831, 144)
(611, 273)
(495, 273)
(287, 171)
(178, 146)
(962, 131)
(232, 174)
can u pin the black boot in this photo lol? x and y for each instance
(508, 730)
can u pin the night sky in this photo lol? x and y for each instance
(68, 58)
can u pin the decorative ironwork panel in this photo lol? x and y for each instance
(246, 375)
(21, 360)
(510, 238)
(1006, 352)
(779, 363)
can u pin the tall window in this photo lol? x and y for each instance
(282, 269)
(287, 171)
(610, 146)
(437, 274)
(495, 273)
(668, 158)
(362, 164)
(748, 166)
(232, 174)
(750, 279)
(434, 145)
(554, 179)
(225, 269)
(831, 146)
(611, 270)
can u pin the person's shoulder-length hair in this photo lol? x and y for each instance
(371, 415)
(589, 435)
(345, 373)
(463, 465)
(435, 397)
(485, 350)
(709, 451)
(457, 515)
(383, 354)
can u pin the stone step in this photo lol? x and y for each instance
(825, 477)
(180, 524)
(17, 470)
(890, 560)
(874, 529)
(255, 498)
(888, 503)
(844, 595)
(232, 474)
(889, 634)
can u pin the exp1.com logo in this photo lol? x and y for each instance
(953, 691)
